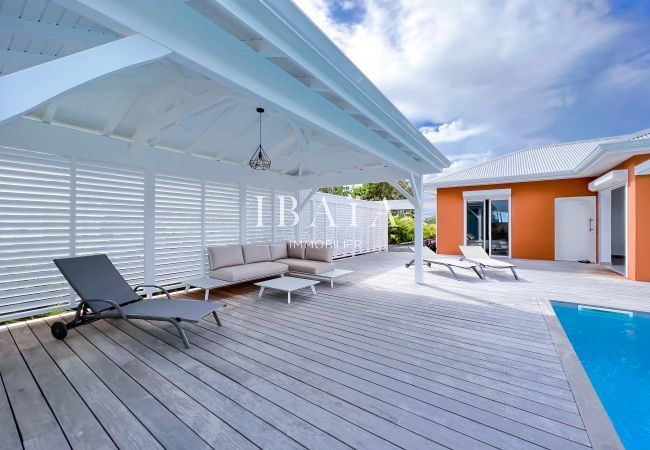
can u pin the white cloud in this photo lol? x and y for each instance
(451, 132)
(502, 71)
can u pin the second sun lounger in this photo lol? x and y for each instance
(431, 257)
(477, 255)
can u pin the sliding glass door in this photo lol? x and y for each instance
(487, 225)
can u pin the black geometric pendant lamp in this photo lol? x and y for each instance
(260, 160)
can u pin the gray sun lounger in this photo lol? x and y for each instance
(431, 257)
(105, 294)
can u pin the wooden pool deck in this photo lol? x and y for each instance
(376, 362)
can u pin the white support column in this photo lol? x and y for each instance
(73, 220)
(299, 224)
(149, 228)
(416, 186)
(242, 213)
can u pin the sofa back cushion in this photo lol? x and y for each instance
(225, 255)
(296, 250)
(256, 253)
(316, 252)
(278, 251)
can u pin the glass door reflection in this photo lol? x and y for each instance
(499, 228)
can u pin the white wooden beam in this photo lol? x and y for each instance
(124, 104)
(214, 97)
(404, 192)
(217, 54)
(221, 111)
(264, 48)
(25, 90)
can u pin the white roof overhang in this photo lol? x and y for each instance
(195, 93)
(643, 168)
(610, 180)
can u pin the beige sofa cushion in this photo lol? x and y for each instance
(323, 253)
(278, 251)
(296, 250)
(256, 253)
(225, 255)
(307, 266)
(249, 271)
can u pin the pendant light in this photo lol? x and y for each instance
(260, 160)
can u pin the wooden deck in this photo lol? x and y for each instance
(377, 362)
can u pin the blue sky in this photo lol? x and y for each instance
(481, 78)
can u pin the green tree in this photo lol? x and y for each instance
(403, 230)
(344, 191)
(379, 191)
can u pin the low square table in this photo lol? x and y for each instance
(288, 285)
(330, 275)
(205, 283)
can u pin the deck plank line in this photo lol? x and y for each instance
(407, 368)
(412, 347)
(10, 435)
(167, 428)
(415, 392)
(123, 427)
(80, 426)
(295, 395)
(310, 367)
(283, 418)
(36, 421)
(209, 427)
(248, 424)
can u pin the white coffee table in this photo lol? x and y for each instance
(288, 285)
(331, 275)
(205, 283)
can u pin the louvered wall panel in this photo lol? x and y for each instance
(254, 233)
(221, 215)
(306, 216)
(110, 216)
(178, 246)
(34, 229)
(288, 231)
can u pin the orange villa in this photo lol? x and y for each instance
(579, 201)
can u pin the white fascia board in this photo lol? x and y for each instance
(604, 151)
(351, 177)
(287, 28)
(643, 168)
(33, 135)
(27, 89)
(504, 180)
(488, 193)
(217, 54)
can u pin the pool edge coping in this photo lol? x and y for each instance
(600, 430)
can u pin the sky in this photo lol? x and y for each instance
(483, 78)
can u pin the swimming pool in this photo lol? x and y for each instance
(614, 349)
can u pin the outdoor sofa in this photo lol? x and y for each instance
(239, 263)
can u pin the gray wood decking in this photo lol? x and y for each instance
(376, 362)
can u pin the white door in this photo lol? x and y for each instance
(575, 229)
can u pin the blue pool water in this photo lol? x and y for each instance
(614, 349)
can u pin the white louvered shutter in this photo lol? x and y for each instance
(179, 247)
(34, 229)
(255, 234)
(221, 215)
(110, 216)
(286, 232)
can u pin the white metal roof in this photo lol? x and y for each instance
(569, 160)
(325, 122)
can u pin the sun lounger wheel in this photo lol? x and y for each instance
(59, 330)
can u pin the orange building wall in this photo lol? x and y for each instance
(533, 215)
(638, 220)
